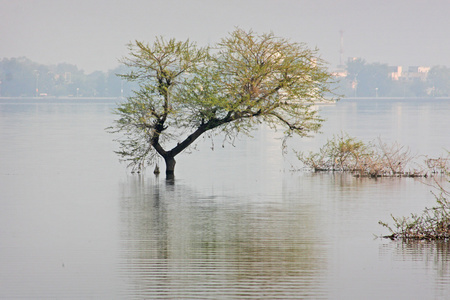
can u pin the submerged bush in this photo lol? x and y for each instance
(433, 224)
(374, 159)
(341, 153)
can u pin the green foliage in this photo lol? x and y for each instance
(160, 70)
(341, 152)
(185, 91)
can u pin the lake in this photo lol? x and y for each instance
(239, 221)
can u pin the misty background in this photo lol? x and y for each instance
(75, 42)
(93, 34)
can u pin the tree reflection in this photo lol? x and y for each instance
(178, 242)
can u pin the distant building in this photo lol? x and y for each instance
(413, 73)
(417, 73)
(340, 73)
(395, 72)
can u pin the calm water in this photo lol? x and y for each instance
(236, 223)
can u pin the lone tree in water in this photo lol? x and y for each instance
(185, 91)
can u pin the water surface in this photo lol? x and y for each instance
(235, 223)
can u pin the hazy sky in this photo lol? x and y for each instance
(93, 34)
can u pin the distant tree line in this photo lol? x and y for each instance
(23, 77)
(362, 79)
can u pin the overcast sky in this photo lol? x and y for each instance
(93, 34)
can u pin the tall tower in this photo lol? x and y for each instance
(341, 50)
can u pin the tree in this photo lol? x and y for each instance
(185, 91)
(19, 77)
(369, 80)
(116, 86)
(439, 81)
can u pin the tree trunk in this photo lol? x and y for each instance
(170, 165)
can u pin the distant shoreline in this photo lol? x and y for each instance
(395, 98)
(65, 98)
(61, 98)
